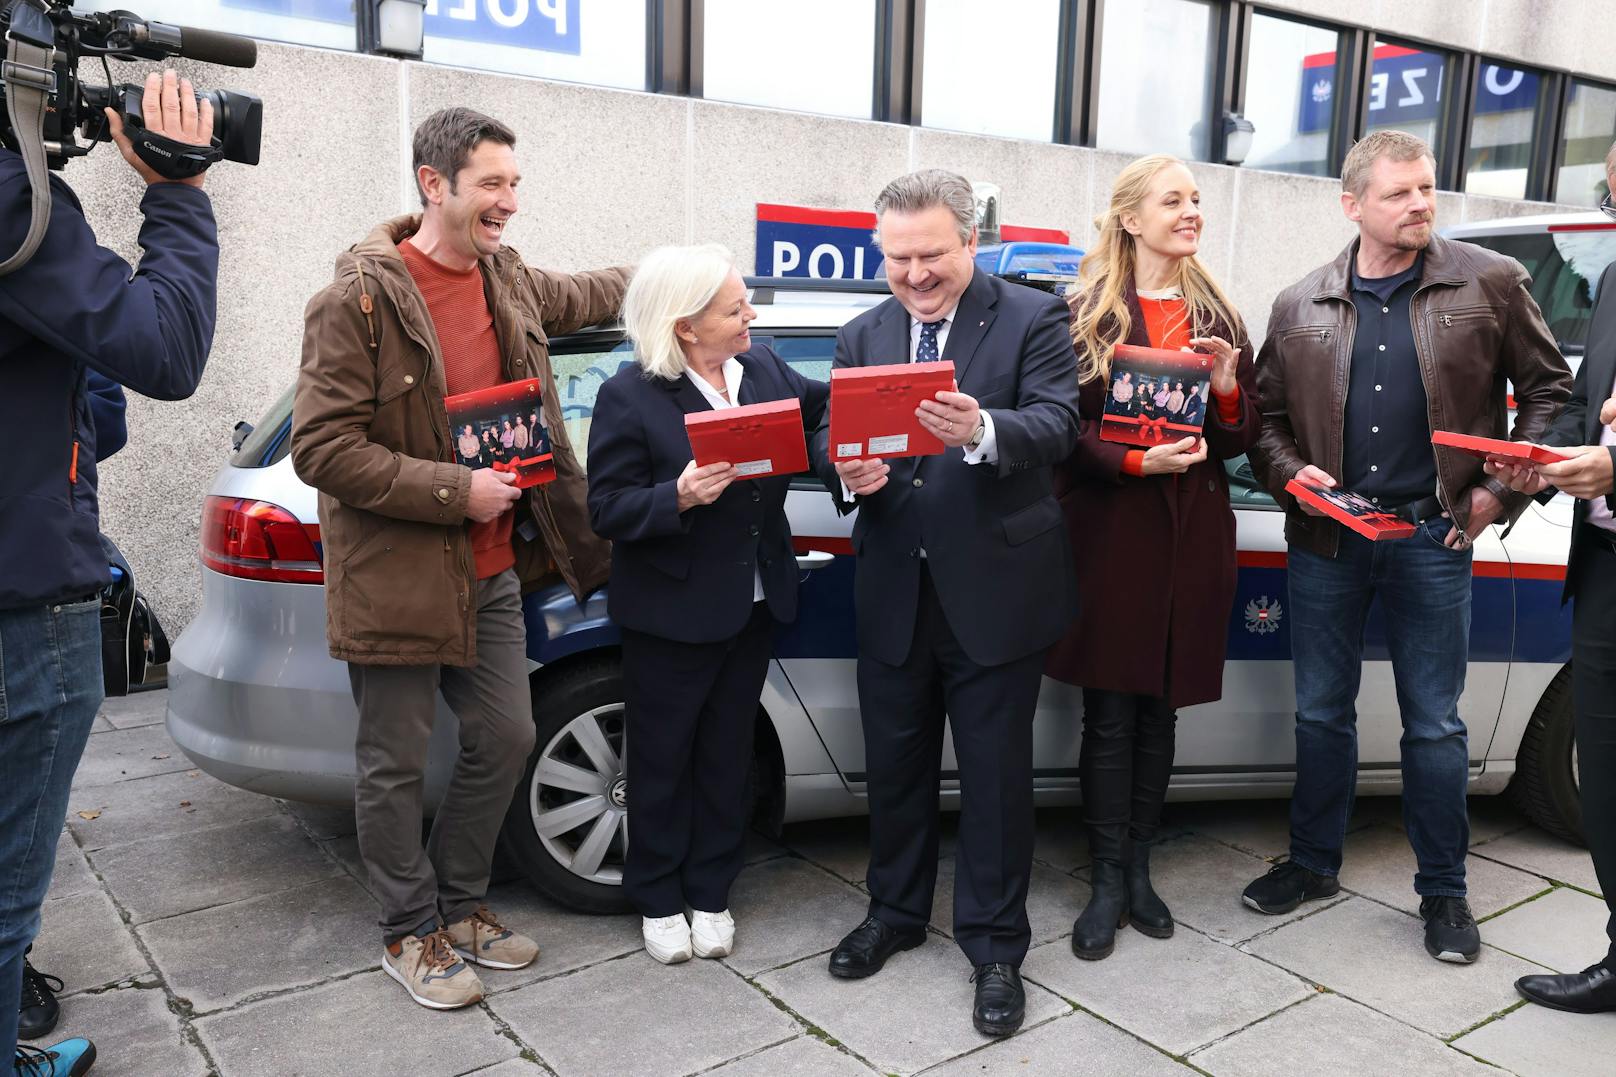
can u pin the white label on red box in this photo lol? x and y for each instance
(848, 449)
(890, 443)
(755, 467)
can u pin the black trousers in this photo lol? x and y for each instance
(690, 710)
(1124, 768)
(1593, 691)
(990, 710)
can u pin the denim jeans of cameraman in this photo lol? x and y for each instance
(50, 689)
(1423, 590)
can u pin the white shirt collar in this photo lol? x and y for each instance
(733, 372)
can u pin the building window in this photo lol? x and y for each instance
(1407, 88)
(1156, 77)
(1504, 114)
(600, 42)
(962, 93)
(810, 57)
(324, 23)
(1291, 94)
(1590, 125)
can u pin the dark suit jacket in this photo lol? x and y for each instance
(1578, 421)
(688, 576)
(992, 533)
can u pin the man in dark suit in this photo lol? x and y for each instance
(964, 581)
(1586, 423)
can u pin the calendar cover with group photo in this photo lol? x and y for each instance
(1156, 396)
(503, 428)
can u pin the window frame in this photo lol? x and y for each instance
(1222, 59)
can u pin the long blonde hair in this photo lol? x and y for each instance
(1100, 317)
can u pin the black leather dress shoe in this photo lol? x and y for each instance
(1001, 1002)
(867, 947)
(1593, 990)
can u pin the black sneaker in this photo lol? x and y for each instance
(1450, 930)
(39, 1011)
(1286, 886)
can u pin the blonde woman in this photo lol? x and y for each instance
(702, 571)
(1146, 644)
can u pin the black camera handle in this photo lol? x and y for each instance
(29, 80)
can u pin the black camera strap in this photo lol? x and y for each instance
(29, 81)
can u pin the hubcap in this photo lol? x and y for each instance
(578, 798)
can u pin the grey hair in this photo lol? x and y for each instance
(671, 284)
(925, 189)
(1393, 145)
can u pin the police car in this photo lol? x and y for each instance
(256, 700)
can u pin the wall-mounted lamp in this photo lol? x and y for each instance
(392, 27)
(1237, 135)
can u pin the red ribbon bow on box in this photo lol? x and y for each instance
(1151, 429)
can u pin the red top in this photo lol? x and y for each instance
(1167, 324)
(471, 361)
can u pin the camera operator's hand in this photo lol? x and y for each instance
(169, 108)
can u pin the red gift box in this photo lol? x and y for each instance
(872, 409)
(1354, 510)
(1128, 421)
(1497, 448)
(759, 439)
(488, 410)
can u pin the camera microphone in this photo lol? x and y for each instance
(212, 47)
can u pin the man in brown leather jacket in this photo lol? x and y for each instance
(1404, 334)
(425, 558)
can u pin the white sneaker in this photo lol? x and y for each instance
(667, 938)
(712, 934)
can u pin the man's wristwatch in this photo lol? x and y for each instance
(976, 438)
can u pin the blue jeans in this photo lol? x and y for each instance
(50, 689)
(1424, 592)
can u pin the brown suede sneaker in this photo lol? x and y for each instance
(481, 939)
(431, 972)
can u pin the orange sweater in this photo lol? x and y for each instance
(1167, 325)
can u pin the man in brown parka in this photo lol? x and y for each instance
(425, 558)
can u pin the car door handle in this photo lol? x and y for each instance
(813, 559)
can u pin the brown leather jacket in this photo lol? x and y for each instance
(371, 434)
(1475, 325)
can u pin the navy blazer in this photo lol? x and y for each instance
(993, 534)
(689, 576)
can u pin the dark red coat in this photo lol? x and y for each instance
(1155, 555)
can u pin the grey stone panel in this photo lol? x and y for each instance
(567, 940)
(83, 941)
(1378, 863)
(1076, 1045)
(1563, 930)
(1537, 1042)
(786, 909)
(1542, 854)
(134, 1032)
(161, 806)
(71, 875)
(124, 754)
(804, 1056)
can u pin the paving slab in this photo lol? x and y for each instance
(222, 864)
(636, 1016)
(1334, 1035)
(71, 874)
(1491, 817)
(345, 851)
(1563, 930)
(567, 940)
(135, 709)
(804, 1056)
(134, 1032)
(786, 909)
(217, 957)
(160, 806)
(841, 846)
(1076, 1045)
(123, 754)
(761, 847)
(914, 1014)
(1376, 955)
(101, 725)
(322, 820)
(1177, 993)
(511, 1067)
(1201, 881)
(1260, 827)
(362, 1025)
(1378, 863)
(1060, 840)
(1054, 900)
(84, 941)
(1542, 854)
(1534, 1041)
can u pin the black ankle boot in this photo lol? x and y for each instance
(1147, 912)
(1094, 935)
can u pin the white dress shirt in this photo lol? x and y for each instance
(1598, 510)
(988, 451)
(733, 372)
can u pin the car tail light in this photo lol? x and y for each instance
(255, 540)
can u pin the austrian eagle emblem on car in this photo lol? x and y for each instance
(1262, 615)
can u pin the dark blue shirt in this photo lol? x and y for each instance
(1387, 438)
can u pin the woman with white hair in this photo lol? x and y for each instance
(702, 571)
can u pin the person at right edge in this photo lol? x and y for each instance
(1141, 652)
(1590, 586)
(1405, 333)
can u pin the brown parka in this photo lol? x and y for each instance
(370, 432)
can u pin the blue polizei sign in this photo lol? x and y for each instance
(549, 25)
(794, 241)
(1405, 86)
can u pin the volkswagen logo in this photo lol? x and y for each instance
(618, 793)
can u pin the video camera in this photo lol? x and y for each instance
(44, 104)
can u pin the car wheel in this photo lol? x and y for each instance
(567, 826)
(1545, 782)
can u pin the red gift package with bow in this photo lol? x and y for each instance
(872, 409)
(503, 428)
(1354, 510)
(758, 439)
(1156, 396)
